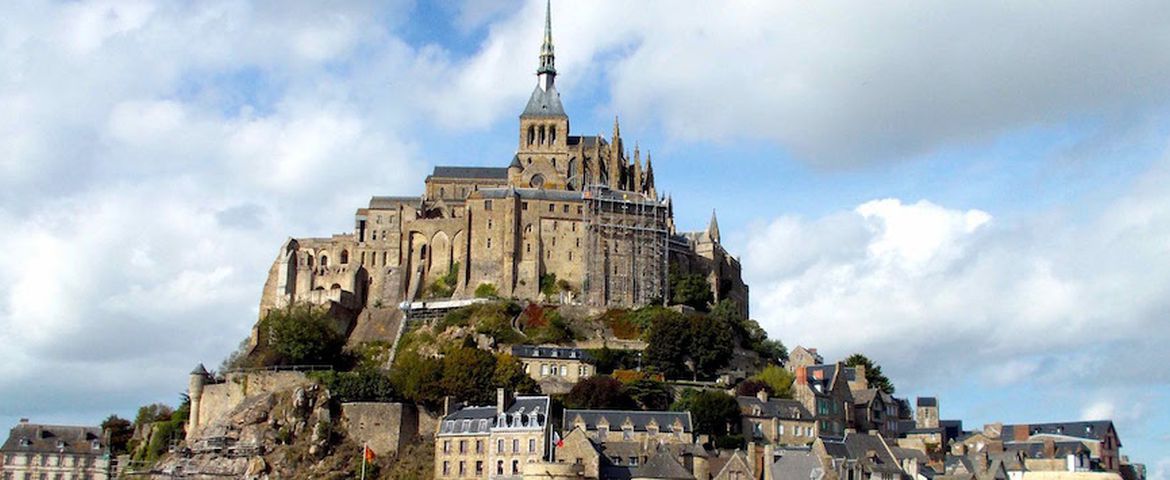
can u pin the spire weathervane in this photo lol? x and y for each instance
(548, 70)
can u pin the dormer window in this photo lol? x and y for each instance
(448, 426)
(96, 445)
(60, 444)
(24, 442)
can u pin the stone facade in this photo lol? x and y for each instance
(493, 442)
(555, 368)
(824, 391)
(34, 451)
(776, 420)
(582, 208)
(384, 427)
(211, 400)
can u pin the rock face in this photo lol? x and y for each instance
(267, 435)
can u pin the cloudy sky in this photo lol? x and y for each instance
(971, 192)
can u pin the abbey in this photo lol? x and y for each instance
(580, 209)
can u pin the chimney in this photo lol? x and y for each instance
(993, 430)
(1049, 448)
(503, 401)
(769, 458)
(1020, 433)
(874, 433)
(762, 395)
(859, 376)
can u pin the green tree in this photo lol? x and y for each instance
(873, 372)
(510, 376)
(418, 378)
(606, 359)
(365, 385)
(710, 346)
(750, 387)
(155, 412)
(301, 335)
(650, 394)
(692, 290)
(778, 379)
(120, 431)
(487, 290)
(468, 375)
(713, 412)
(599, 392)
(668, 344)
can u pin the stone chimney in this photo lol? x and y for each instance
(769, 458)
(762, 395)
(859, 377)
(503, 401)
(1049, 448)
(801, 375)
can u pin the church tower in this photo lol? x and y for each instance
(544, 127)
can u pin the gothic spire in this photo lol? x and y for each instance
(713, 228)
(548, 70)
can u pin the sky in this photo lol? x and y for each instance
(972, 193)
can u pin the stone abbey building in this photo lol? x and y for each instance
(581, 208)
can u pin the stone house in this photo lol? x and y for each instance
(877, 410)
(776, 421)
(1099, 436)
(493, 441)
(36, 451)
(824, 391)
(857, 456)
(555, 368)
(803, 357)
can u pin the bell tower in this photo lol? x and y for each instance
(544, 128)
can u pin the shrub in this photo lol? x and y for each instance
(444, 286)
(778, 380)
(618, 322)
(554, 330)
(749, 388)
(487, 290)
(599, 392)
(548, 284)
(715, 413)
(692, 290)
(606, 359)
(468, 375)
(366, 385)
(299, 335)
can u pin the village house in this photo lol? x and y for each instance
(824, 391)
(1099, 436)
(777, 421)
(493, 441)
(555, 368)
(37, 451)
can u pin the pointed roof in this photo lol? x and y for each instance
(713, 227)
(662, 466)
(200, 370)
(544, 103)
(547, 58)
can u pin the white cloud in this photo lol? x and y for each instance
(936, 293)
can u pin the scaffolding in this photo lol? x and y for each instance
(627, 250)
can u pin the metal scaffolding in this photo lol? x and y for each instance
(626, 249)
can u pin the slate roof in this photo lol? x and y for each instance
(927, 402)
(904, 453)
(544, 103)
(775, 407)
(859, 445)
(588, 141)
(1094, 430)
(38, 438)
(616, 418)
(662, 465)
(478, 173)
(481, 420)
(530, 351)
(393, 201)
(1036, 449)
(798, 465)
(531, 194)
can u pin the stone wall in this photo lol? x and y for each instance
(219, 399)
(384, 427)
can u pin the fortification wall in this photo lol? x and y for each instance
(384, 427)
(221, 398)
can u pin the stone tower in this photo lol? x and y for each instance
(195, 383)
(926, 415)
(543, 151)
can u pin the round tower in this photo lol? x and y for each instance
(195, 385)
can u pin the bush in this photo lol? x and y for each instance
(714, 413)
(366, 385)
(445, 285)
(119, 431)
(749, 388)
(650, 394)
(548, 284)
(418, 378)
(299, 335)
(599, 392)
(554, 330)
(468, 375)
(606, 360)
(778, 379)
(618, 322)
(487, 290)
(692, 290)
(730, 442)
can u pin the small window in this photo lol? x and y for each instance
(552, 208)
(524, 205)
(565, 208)
(489, 224)
(487, 205)
(442, 192)
(531, 445)
(489, 243)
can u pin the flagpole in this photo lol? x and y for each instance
(364, 449)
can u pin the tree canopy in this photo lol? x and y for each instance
(692, 290)
(599, 392)
(299, 335)
(778, 379)
(873, 372)
(120, 431)
(713, 412)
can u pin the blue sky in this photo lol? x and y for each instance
(972, 193)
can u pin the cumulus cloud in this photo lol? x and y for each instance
(836, 83)
(936, 292)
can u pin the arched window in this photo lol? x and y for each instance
(309, 260)
(542, 134)
(345, 257)
(531, 134)
(572, 167)
(552, 135)
(422, 252)
(324, 261)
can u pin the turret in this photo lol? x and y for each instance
(713, 228)
(195, 383)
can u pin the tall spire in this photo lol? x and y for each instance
(548, 70)
(713, 228)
